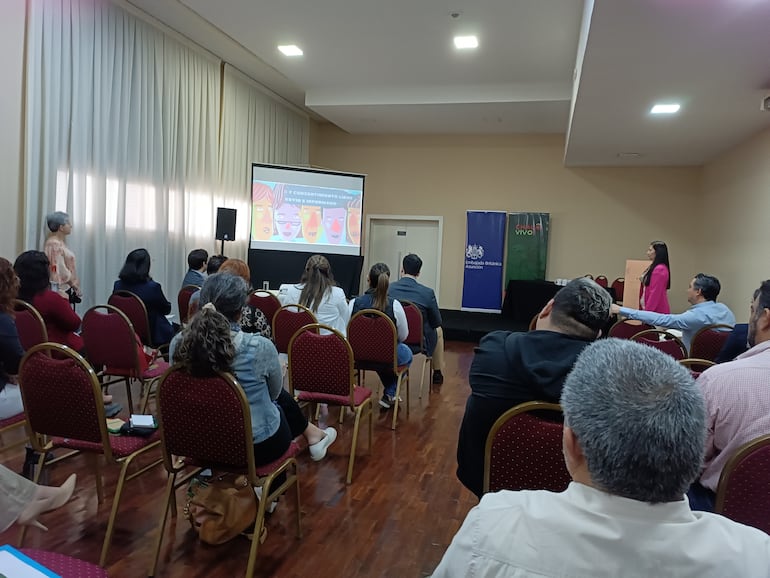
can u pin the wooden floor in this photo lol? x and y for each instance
(396, 519)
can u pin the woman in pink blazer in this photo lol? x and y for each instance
(656, 280)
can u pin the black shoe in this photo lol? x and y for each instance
(438, 377)
(386, 402)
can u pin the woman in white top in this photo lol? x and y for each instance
(317, 291)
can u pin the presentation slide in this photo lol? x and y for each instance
(306, 210)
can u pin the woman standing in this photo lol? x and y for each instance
(656, 280)
(11, 350)
(63, 273)
(376, 297)
(317, 291)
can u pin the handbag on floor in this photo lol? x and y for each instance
(220, 507)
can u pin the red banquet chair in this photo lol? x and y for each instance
(183, 302)
(134, 308)
(416, 340)
(374, 339)
(601, 281)
(618, 285)
(321, 369)
(207, 421)
(524, 451)
(63, 402)
(113, 349)
(627, 328)
(29, 324)
(744, 485)
(266, 302)
(663, 340)
(63, 565)
(287, 321)
(708, 342)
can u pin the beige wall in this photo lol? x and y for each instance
(735, 211)
(12, 26)
(599, 217)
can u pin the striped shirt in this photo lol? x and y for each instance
(737, 406)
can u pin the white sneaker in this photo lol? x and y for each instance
(318, 449)
(270, 508)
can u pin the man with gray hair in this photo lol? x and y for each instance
(510, 368)
(634, 433)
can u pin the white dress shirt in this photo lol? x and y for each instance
(333, 310)
(586, 533)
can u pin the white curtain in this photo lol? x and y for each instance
(122, 134)
(255, 128)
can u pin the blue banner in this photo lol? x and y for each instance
(484, 247)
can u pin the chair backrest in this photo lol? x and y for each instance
(321, 363)
(695, 365)
(134, 308)
(109, 339)
(287, 321)
(206, 419)
(373, 338)
(708, 342)
(183, 301)
(414, 322)
(663, 340)
(601, 281)
(266, 302)
(61, 396)
(744, 485)
(619, 285)
(29, 324)
(524, 451)
(627, 328)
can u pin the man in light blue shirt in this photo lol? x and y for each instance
(702, 295)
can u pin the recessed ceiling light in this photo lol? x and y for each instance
(291, 50)
(668, 108)
(629, 155)
(465, 42)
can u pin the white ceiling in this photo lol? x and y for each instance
(591, 71)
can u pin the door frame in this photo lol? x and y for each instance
(429, 218)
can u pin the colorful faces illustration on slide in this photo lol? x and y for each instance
(287, 221)
(354, 225)
(334, 224)
(311, 223)
(262, 214)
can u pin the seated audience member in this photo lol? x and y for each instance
(11, 350)
(511, 368)
(22, 501)
(196, 261)
(135, 277)
(702, 296)
(214, 341)
(407, 288)
(736, 343)
(737, 401)
(252, 318)
(212, 266)
(318, 292)
(635, 425)
(376, 297)
(61, 321)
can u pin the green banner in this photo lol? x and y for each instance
(527, 246)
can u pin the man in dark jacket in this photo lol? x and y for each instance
(511, 368)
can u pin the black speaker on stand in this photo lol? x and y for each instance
(225, 226)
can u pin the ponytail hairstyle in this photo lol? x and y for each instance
(206, 345)
(379, 280)
(661, 258)
(318, 280)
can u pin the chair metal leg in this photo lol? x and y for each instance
(422, 377)
(354, 442)
(128, 395)
(371, 424)
(98, 478)
(114, 511)
(342, 413)
(396, 404)
(168, 501)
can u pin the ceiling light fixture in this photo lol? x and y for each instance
(670, 108)
(466, 42)
(291, 50)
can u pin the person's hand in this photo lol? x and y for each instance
(614, 309)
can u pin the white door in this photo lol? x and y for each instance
(391, 237)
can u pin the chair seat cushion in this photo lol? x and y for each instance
(122, 446)
(65, 566)
(360, 394)
(14, 419)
